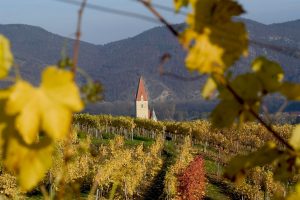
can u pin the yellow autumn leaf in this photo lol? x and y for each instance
(215, 40)
(186, 38)
(224, 10)
(59, 86)
(204, 56)
(269, 73)
(6, 57)
(209, 88)
(48, 107)
(225, 113)
(248, 87)
(23, 97)
(291, 90)
(233, 38)
(30, 164)
(201, 15)
(296, 194)
(4, 93)
(213, 13)
(295, 138)
(5, 122)
(180, 3)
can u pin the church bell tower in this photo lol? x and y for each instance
(141, 101)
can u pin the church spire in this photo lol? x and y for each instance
(141, 101)
(141, 94)
(153, 115)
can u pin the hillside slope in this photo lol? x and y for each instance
(119, 64)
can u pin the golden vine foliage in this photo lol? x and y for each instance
(215, 40)
(8, 186)
(6, 57)
(127, 168)
(32, 118)
(182, 161)
(295, 138)
(67, 173)
(48, 107)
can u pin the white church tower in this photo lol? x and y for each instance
(141, 101)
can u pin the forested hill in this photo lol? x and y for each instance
(119, 64)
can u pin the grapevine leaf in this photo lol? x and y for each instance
(205, 56)
(225, 113)
(59, 86)
(225, 10)
(6, 57)
(186, 37)
(286, 167)
(202, 14)
(295, 139)
(24, 97)
(239, 164)
(28, 162)
(179, 4)
(30, 165)
(291, 91)
(233, 39)
(247, 87)
(209, 88)
(48, 107)
(212, 13)
(246, 115)
(296, 194)
(215, 40)
(4, 94)
(269, 73)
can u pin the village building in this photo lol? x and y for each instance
(142, 104)
(153, 115)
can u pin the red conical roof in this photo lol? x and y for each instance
(141, 91)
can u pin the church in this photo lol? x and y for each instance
(141, 103)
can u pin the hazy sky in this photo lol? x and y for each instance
(101, 28)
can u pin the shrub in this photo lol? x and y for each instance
(192, 181)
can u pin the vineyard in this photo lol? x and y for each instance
(50, 152)
(125, 158)
(216, 146)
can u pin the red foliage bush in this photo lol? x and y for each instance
(192, 181)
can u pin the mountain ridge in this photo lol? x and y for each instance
(119, 64)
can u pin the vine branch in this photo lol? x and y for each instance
(77, 39)
(254, 114)
(229, 88)
(148, 5)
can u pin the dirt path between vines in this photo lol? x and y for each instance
(224, 189)
(156, 189)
